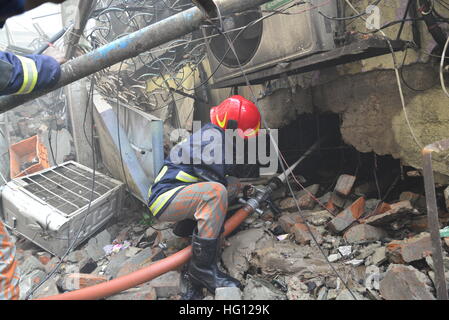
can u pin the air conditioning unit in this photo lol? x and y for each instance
(295, 32)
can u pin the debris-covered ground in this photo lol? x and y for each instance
(380, 250)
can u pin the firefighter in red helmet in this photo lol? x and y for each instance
(195, 192)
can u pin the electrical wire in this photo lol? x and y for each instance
(443, 55)
(231, 45)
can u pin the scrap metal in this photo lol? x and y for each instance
(432, 215)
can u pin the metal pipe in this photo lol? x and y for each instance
(158, 268)
(432, 216)
(84, 10)
(131, 46)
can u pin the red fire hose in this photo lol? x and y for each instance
(146, 274)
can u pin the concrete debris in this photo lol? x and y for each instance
(417, 200)
(143, 292)
(372, 280)
(354, 262)
(29, 282)
(334, 257)
(298, 290)
(228, 294)
(236, 256)
(30, 264)
(260, 289)
(409, 250)
(288, 258)
(364, 233)
(405, 283)
(345, 251)
(344, 184)
(379, 256)
(346, 295)
(346, 218)
(303, 236)
(95, 245)
(141, 260)
(48, 289)
(305, 201)
(167, 285)
(398, 211)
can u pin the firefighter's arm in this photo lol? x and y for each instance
(23, 75)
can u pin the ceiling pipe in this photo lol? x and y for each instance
(132, 45)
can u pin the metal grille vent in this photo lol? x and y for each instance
(66, 188)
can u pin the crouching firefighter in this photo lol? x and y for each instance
(197, 188)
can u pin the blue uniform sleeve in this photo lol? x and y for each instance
(34, 73)
(10, 8)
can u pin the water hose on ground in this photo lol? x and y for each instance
(146, 274)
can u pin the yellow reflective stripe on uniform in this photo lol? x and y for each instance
(162, 200)
(161, 174)
(30, 75)
(158, 178)
(185, 177)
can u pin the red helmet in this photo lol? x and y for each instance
(241, 110)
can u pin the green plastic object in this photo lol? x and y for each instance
(444, 233)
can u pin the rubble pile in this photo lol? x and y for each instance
(380, 251)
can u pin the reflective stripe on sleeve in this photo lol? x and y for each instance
(30, 75)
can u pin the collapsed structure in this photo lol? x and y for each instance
(325, 79)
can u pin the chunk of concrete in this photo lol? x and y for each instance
(30, 264)
(167, 285)
(48, 289)
(229, 293)
(346, 295)
(405, 283)
(139, 261)
(344, 184)
(144, 292)
(30, 281)
(408, 250)
(379, 256)
(364, 233)
(95, 245)
(236, 256)
(259, 289)
(398, 211)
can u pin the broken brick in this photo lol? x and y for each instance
(143, 259)
(336, 201)
(408, 250)
(302, 234)
(347, 217)
(287, 221)
(405, 283)
(398, 210)
(344, 184)
(415, 199)
(305, 201)
(75, 281)
(363, 233)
